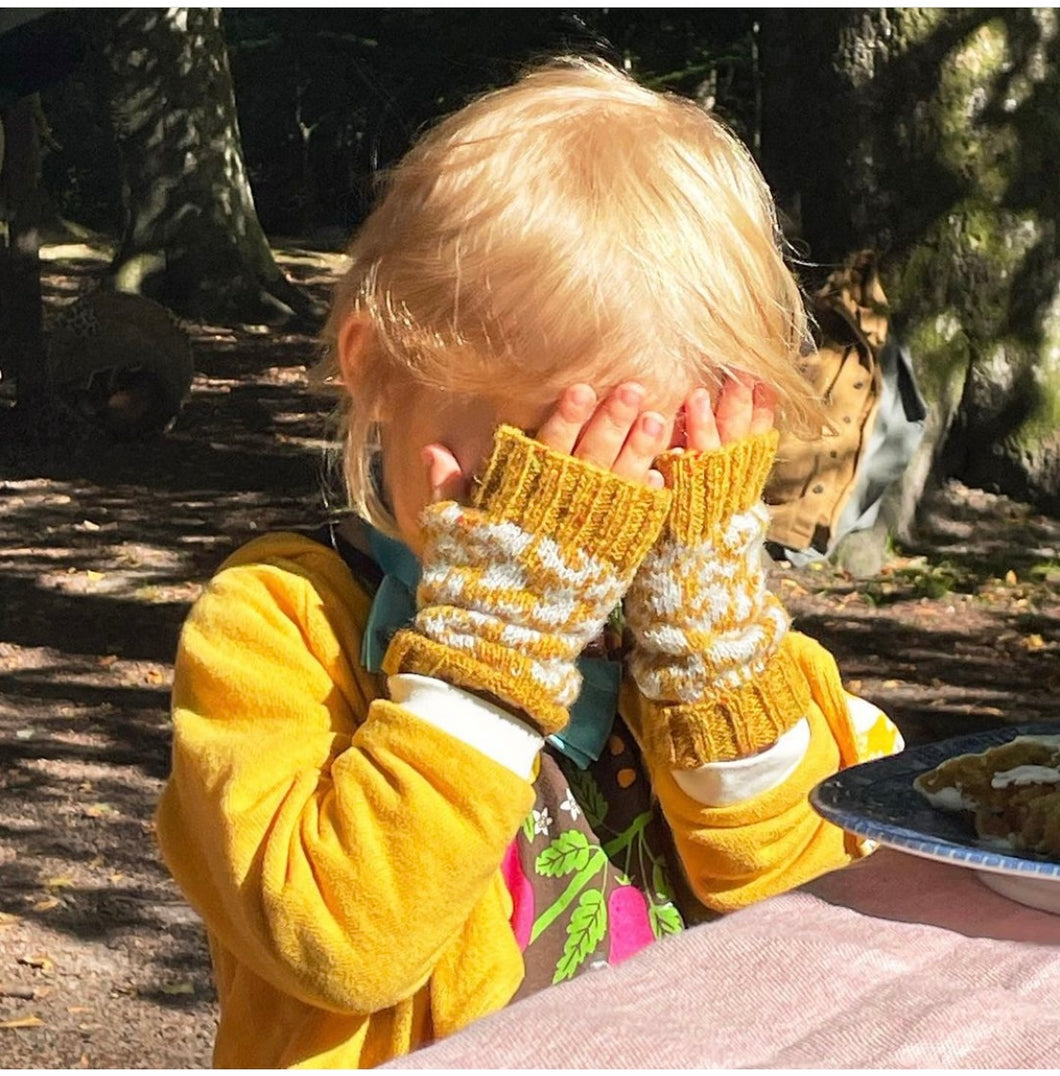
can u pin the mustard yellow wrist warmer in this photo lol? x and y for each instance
(708, 651)
(514, 586)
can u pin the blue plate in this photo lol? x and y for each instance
(877, 800)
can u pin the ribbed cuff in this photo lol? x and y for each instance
(727, 725)
(500, 671)
(710, 487)
(573, 502)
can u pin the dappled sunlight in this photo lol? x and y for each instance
(959, 633)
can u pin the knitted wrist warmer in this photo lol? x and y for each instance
(514, 586)
(708, 654)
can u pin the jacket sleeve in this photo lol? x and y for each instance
(336, 844)
(737, 854)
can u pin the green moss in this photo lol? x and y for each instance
(1041, 426)
(980, 153)
(942, 356)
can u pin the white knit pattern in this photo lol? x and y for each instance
(702, 615)
(542, 602)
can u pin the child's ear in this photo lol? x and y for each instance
(354, 345)
(359, 367)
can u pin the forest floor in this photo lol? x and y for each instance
(101, 552)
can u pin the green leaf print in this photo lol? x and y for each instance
(528, 827)
(587, 793)
(664, 919)
(568, 852)
(588, 925)
(659, 882)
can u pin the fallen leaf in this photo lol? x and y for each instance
(1034, 642)
(47, 904)
(21, 1021)
(101, 810)
(107, 660)
(892, 683)
(183, 987)
(854, 687)
(153, 676)
(37, 960)
(58, 881)
(1010, 577)
(90, 574)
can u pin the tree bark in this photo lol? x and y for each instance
(192, 239)
(933, 136)
(21, 308)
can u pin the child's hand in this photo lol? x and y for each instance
(744, 408)
(516, 583)
(615, 433)
(707, 633)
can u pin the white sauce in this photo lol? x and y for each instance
(948, 799)
(1045, 741)
(1026, 775)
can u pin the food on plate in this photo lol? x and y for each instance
(1013, 792)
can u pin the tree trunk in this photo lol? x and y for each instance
(192, 238)
(21, 309)
(933, 135)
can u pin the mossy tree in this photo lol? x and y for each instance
(192, 239)
(933, 135)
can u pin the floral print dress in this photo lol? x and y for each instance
(590, 871)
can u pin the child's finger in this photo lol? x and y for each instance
(445, 479)
(561, 428)
(764, 408)
(701, 430)
(606, 432)
(647, 438)
(734, 409)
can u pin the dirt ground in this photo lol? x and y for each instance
(103, 548)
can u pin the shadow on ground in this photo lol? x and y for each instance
(102, 549)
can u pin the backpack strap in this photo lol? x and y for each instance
(362, 567)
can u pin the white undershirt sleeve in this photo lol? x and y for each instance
(488, 728)
(721, 784)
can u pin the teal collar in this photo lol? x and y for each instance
(394, 607)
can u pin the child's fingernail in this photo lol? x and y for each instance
(581, 395)
(652, 425)
(631, 395)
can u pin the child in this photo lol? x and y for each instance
(422, 767)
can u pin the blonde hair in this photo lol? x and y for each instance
(571, 226)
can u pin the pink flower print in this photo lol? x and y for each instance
(522, 893)
(629, 926)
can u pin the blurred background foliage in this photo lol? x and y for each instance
(327, 97)
(927, 135)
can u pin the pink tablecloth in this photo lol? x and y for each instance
(896, 962)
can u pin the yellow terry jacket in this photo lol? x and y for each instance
(344, 854)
